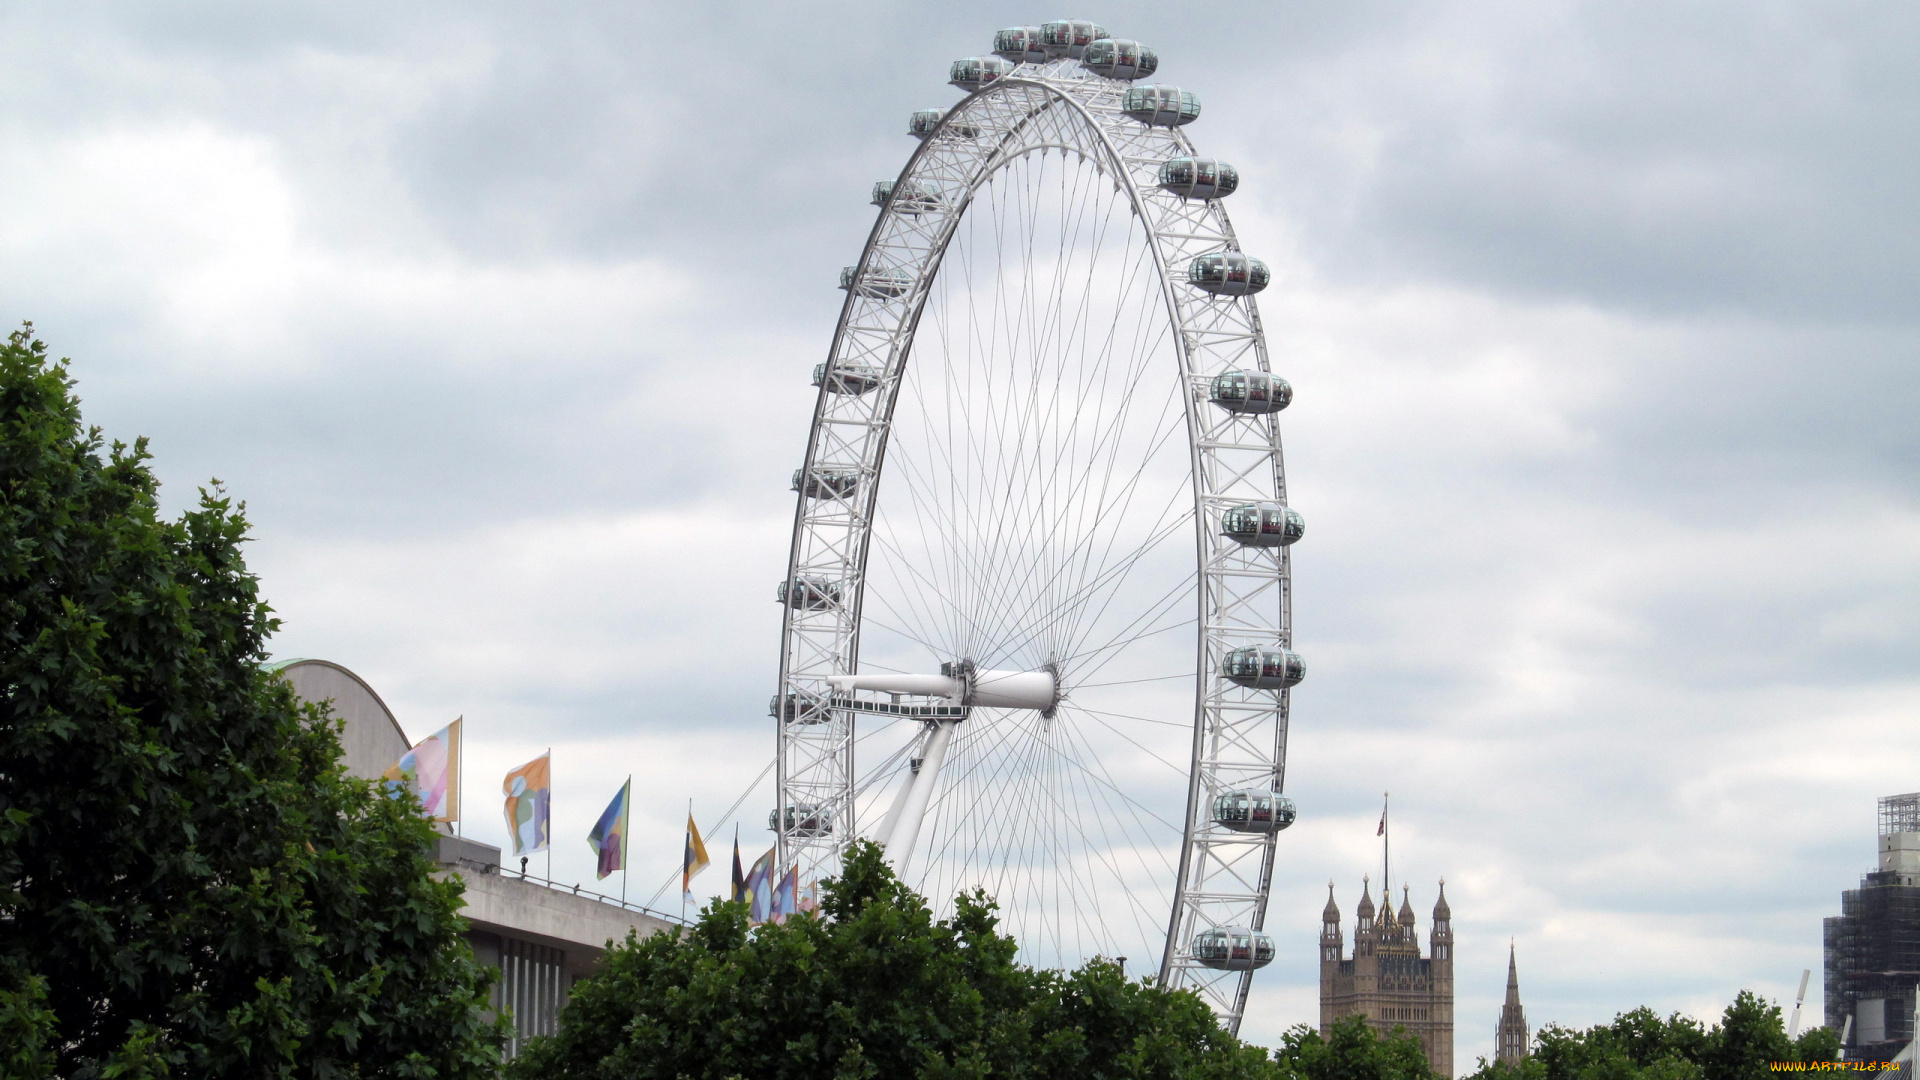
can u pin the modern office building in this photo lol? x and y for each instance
(542, 938)
(1386, 979)
(1873, 945)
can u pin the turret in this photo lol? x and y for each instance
(1442, 936)
(1406, 908)
(1331, 943)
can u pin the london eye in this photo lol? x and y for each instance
(1037, 633)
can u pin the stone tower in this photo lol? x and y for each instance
(1510, 1037)
(1387, 980)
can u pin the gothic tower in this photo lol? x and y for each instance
(1387, 980)
(1510, 1038)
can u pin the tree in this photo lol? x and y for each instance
(189, 883)
(1352, 1051)
(1639, 1045)
(875, 988)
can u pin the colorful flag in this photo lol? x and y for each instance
(1382, 830)
(739, 878)
(696, 858)
(760, 889)
(786, 896)
(609, 836)
(809, 899)
(529, 806)
(431, 771)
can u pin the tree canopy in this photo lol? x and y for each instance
(189, 883)
(1639, 1045)
(876, 988)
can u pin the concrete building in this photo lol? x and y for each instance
(1510, 1036)
(1872, 948)
(1386, 979)
(540, 937)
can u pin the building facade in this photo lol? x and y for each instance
(1872, 948)
(541, 938)
(1386, 979)
(1510, 1036)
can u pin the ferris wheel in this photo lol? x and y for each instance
(1037, 630)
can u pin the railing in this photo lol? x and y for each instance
(575, 889)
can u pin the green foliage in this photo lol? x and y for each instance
(1352, 1051)
(1639, 1045)
(878, 988)
(190, 886)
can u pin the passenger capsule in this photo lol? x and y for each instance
(1118, 58)
(1253, 392)
(1263, 667)
(1163, 106)
(876, 284)
(799, 708)
(1069, 37)
(1233, 948)
(803, 819)
(1263, 524)
(1020, 44)
(850, 379)
(922, 125)
(1253, 811)
(826, 483)
(808, 594)
(975, 72)
(913, 199)
(1199, 178)
(1228, 273)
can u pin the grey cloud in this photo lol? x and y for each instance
(1598, 317)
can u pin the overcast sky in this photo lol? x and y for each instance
(1601, 319)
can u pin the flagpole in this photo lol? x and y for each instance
(549, 814)
(683, 868)
(626, 816)
(460, 785)
(1386, 850)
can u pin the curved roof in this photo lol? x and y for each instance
(371, 739)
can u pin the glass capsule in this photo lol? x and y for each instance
(803, 819)
(826, 483)
(1069, 37)
(1199, 178)
(912, 200)
(1233, 948)
(808, 594)
(1163, 106)
(1263, 524)
(1263, 667)
(799, 708)
(1119, 58)
(1251, 392)
(1253, 811)
(854, 379)
(1020, 44)
(1228, 273)
(923, 123)
(974, 72)
(876, 284)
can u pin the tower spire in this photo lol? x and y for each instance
(1510, 1037)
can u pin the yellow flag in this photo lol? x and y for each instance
(696, 859)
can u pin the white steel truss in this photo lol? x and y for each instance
(1239, 734)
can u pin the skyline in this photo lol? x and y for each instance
(1596, 316)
